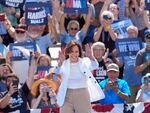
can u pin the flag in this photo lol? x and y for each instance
(98, 108)
(122, 108)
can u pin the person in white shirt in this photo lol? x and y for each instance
(73, 94)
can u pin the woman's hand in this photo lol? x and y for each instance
(61, 58)
(12, 89)
(88, 52)
(43, 90)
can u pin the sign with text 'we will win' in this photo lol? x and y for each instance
(75, 6)
(128, 46)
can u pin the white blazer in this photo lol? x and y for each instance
(86, 66)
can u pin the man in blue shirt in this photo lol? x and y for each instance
(116, 90)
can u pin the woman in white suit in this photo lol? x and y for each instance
(74, 95)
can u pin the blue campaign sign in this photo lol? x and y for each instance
(75, 6)
(128, 46)
(147, 5)
(120, 28)
(41, 71)
(36, 13)
(22, 50)
(13, 3)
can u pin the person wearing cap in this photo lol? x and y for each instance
(144, 93)
(116, 90)
(20, 38)
(142, 63)
(44, 92)
(21, 34)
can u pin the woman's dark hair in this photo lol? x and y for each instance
(69, 47)
(12, 75)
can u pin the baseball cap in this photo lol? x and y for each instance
(113, 67)
(146, 33)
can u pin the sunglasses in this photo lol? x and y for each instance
(73, 29)
(147, 36)
(20, 31)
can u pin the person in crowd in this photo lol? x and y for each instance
(104, 33)
(7, 30)
(44, 94)
(42, 37)
(15, 98)
(100, 54)
(142, 58)
(144, 93)
(73, 95)
(44, 60)
(13, 15)
(98, 4)
(5, 69)
(127, 62)
(73, 30)
(21, 37)
(116, 90)
(135, 11)
(112, 7)
(43, 66)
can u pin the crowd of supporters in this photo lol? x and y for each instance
(87, 49)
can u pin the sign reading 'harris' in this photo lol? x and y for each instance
(37, 12)
(13, 3)
(75, 6)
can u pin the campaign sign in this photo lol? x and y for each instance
(22, 50)
(75, 6)
(13, 3)
(128, 46)
(36, 13)
(147, 5)
(41, 71)
(120, 28)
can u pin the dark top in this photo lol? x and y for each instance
(100, 73)
(107, 40)
(18, 100)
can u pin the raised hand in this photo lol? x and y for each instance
(61, 58)
(88, 52)
(106, 54)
